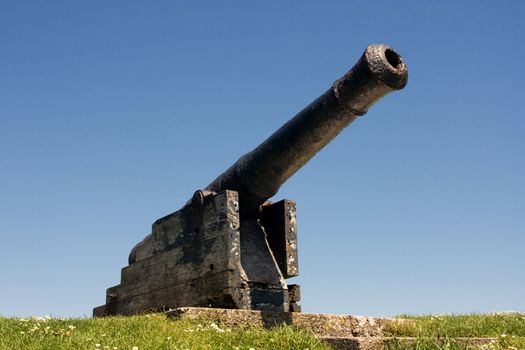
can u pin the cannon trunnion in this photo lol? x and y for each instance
(228, 247)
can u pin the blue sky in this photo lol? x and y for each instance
(113, 113)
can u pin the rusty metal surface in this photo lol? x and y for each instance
(258, 175)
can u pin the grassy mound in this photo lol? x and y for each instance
(438, 332)
(155, 331)
(144, 332)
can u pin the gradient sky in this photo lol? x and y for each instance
(112, 113)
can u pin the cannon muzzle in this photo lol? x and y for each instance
(259, 174)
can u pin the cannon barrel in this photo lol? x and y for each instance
(259, 174)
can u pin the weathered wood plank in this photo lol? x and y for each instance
(186, 267)
(214, 246)
(196, 292)
(195, 257)
(167, 230)
(279, 222)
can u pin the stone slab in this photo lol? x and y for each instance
(341, 332)
(385, 343)
(323, 325)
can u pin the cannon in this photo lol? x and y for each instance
(228, 246)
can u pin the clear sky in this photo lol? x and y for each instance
(112, 113)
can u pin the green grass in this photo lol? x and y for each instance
(155, 331)
(144, 332)
(438, 332)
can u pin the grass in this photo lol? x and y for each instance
(153, 331)
(438, 332)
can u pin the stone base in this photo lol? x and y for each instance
(323, 325)
(341, 332)
(385, 343)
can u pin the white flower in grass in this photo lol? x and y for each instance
(71, 327)
(135, 348)
(216, 328)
